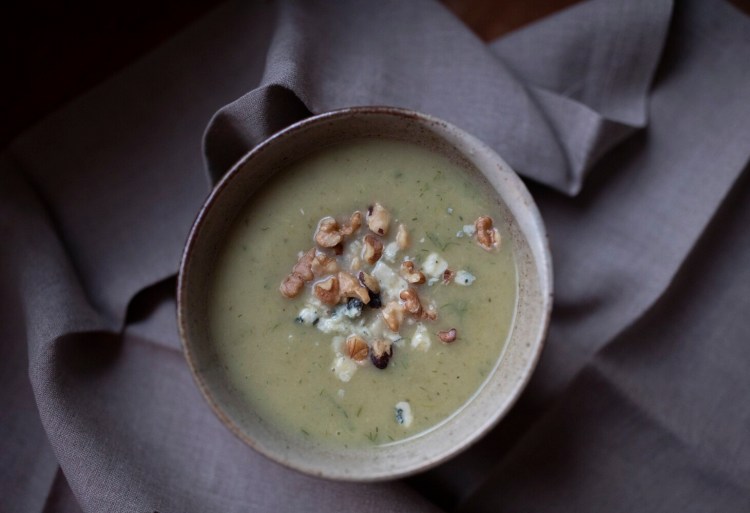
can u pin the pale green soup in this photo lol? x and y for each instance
(284, 369)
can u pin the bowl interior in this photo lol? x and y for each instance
(501, 387)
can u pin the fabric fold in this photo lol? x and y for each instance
(599, 53)
(592, 75)
(546, 135)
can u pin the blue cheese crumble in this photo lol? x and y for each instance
(403, 414)
(464, 278)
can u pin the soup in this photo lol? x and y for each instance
(366, 328)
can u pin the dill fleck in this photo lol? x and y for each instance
(437, 242)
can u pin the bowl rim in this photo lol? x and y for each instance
(544, 265)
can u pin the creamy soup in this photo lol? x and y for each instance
(405, 315)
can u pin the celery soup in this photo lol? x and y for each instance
(364, 294)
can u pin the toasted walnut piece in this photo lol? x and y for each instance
(303, 267)
(487, 236)
(428, 315)
(350, 287)
(411, 301)
(323, 264)
(327, 290)
(355, 221)
(291, 286)
(393, 315)
(402, 237)
(448, 336)
(356, 264)
(378, 219)
(411, 274)
(448, 276)
(301, 272)
(368, 281)
(356, 348)
(372, 249)
(328, 235)
(382, 351)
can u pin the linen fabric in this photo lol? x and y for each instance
(629, 121)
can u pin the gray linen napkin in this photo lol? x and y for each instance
(640, 397)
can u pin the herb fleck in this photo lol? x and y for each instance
(437, 242)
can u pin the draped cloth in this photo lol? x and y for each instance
(629, 120)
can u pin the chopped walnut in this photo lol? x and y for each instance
(303, 267)
(428, 314)
(382, 351)
(355, 221)
(411, 274)
(378, 219)
(447, 336)
(301, 272)
(291, 286)
(357, 349)
(487, 236)
(393, 315)
(356, 264)
(350, 287)
(448, 276)
(372, 249)
(411, 301)
(368, 281)
(327, 290)
(323, 264)
(402, 237)
(328, 235)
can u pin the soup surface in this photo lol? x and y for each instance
(310, 366)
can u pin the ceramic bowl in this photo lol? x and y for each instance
(510, 373)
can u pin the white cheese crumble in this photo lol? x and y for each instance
(353, 250)
(391, 284)
(344, 367)
(337, 343)
(434, 265)
(403, 413)
(449, 210)
(469, 229)
(421, 339)
(390, 251)
(340, 324)
(464, 278)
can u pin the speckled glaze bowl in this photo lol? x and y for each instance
(510, 373)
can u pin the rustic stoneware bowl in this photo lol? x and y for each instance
(503, 385)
